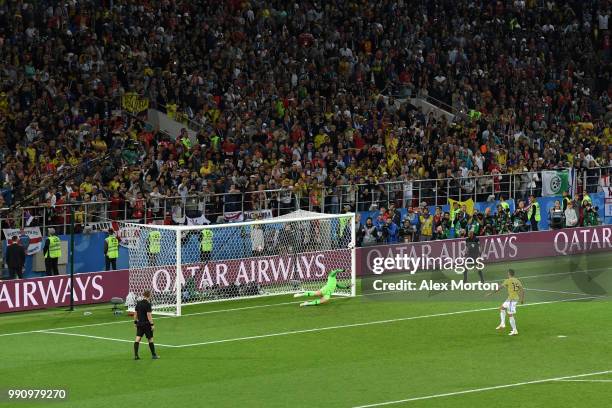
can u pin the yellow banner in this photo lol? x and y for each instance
(132, 102)
(469, 206)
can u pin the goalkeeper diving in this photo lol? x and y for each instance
(325, 293)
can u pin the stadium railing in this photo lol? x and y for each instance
(266, 203)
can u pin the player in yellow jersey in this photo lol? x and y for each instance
(516, 293)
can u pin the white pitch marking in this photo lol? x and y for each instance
(95, 337)
(559, 291)
(496, 387)
(401, 319)
(156, 318)
(565, 273)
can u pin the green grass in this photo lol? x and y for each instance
(359, 351)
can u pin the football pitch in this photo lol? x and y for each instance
(377, 349)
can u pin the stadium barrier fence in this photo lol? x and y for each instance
(226, 207)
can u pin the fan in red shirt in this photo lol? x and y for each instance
(116, 205)
(229, 147)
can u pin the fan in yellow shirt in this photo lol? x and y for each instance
(99, 144)
(171, 109)
(86, 186)
(73, 160)
(607, 135)
(501, 157)
(320, 139)
(300, 188)
(207, 168)
(213, 114)
(31, 152)
(58, 158)
(114, 184)
(391, 142)
(4, 103)
(352, 170)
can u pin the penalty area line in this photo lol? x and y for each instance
(94, 337)
(565, 293)
(483, 389)
(235, 309)
(316, 329)
(370, 323)
(158, 317)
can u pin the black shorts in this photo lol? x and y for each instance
(144, 330)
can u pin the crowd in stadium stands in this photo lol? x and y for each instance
(420, 225)
(301, 96)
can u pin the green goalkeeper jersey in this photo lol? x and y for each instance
(332, 283)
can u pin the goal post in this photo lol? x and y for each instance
(185, 265)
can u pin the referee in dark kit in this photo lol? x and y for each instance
(143, 320)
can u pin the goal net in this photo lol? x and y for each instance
(276, 256)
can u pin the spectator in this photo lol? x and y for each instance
(303, 99)
(488, 223)
(556, 216)
(437, 221)
(369, 233)
(461, 221)
(476, 223)
(413, 217)
(257, 240)
(390, 232)
(590, 216)
(446, 225)
(395, 214)
(407, 231)
(519, 218)
(358, 230)
(571, 218)
(566, 199)
(15, 258)
(503, 219)
(426, 223)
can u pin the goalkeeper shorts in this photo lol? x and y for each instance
(326, 292)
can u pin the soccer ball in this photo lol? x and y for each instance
(351, 245)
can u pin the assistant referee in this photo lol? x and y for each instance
(143, 320)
